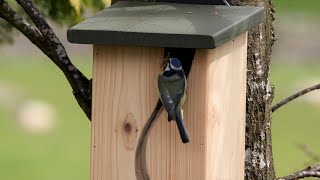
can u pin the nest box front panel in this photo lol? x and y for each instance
(125, 93)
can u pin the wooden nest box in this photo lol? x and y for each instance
(128, 40)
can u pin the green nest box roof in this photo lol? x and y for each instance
(166, 25)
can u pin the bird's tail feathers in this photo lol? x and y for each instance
(182, 130)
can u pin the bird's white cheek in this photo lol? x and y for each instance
(167, 68)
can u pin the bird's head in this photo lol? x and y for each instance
(174, 64)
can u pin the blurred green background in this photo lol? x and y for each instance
(56, 145)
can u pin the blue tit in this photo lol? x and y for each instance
(172, 85)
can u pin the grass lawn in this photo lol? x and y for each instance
(307, 7)
(64, 152)
(297, 122)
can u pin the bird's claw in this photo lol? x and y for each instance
(171, 116)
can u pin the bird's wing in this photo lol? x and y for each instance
(165, 97)
(179, 97)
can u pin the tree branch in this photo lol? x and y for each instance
(79, 83)
(311, 171)
(12, 17)
(50, 45)
(141, 150)
(294, 96)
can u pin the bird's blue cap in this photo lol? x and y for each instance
(175, 64)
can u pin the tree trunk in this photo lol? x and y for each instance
(259, 159)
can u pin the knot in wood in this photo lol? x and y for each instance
(129, 130)
(127, 127)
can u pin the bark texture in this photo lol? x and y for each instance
(259, 159)
(311, 171)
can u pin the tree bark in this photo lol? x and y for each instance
(259, 159)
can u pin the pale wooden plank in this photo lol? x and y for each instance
(226, 110)
(125, 92)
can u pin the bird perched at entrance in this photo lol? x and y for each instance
(172, 85)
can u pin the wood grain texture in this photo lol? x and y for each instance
(125, 93)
